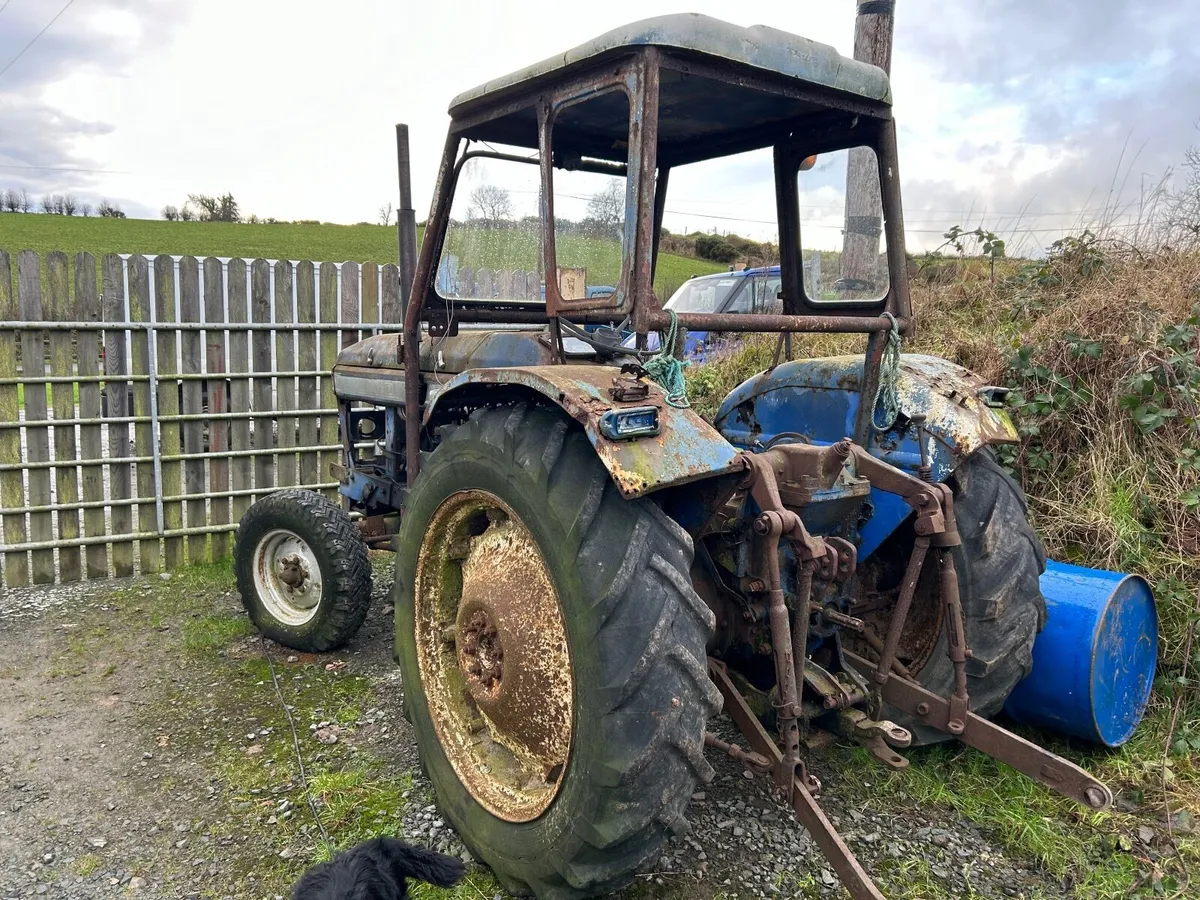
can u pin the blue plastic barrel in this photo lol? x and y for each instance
(1093, 663)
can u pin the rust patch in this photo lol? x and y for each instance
(493, 655)
(686, 449)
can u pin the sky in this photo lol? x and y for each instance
(1027, 117)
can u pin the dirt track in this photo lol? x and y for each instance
(144, 751)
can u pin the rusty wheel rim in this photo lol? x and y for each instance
(493, 656)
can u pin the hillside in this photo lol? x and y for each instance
(360, 243)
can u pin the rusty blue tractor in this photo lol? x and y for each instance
(587, 570)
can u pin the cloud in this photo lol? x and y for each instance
(1070, 108)
(40, 143)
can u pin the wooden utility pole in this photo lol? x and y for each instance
(873, 28)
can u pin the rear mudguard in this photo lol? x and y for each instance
(685, 449)
(819, 399)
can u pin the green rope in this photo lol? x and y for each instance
(667, 370)
(887, 396)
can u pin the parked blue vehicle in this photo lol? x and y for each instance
(743, 291)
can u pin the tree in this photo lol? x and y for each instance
(12, 200)
(170, 213)
(716, 248)
(70, 204)
(606, 209)
(491, 204)
(109, 210)
(85, 209)
(187, 214)
(47, 204)
(385, 214)
(60, 204)
(26, 201)
(216, 209)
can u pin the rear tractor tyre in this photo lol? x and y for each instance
(998, 564)
(553, 655)
(302, 570)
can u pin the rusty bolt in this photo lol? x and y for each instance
(762, 525)
(922, 709)
(756, 584)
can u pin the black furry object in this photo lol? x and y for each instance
(377, 870)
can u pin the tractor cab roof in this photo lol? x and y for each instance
(723, 89)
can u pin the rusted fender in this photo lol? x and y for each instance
(686, 448)
(819, 398)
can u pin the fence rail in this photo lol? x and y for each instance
(145, 403)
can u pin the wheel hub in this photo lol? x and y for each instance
(493, 655)
(482, 654)
(287, 577)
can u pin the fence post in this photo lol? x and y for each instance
(62, 360)
(239, 387)
(120, 475)
(218, 428)
(12, 485)
(306, 361)
(350, 306)
(285, 385)
(91, 441)
(37, 439)
(144, 404)
(328, 311)
(389, 306)
(370, 297)
(193, 404)
(164, 370)
(263, 401)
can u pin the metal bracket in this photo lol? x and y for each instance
(854, 877)
(1044, 767)
(878, 736)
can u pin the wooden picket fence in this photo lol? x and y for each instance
(145, 404)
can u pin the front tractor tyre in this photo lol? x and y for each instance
(552, 651)
(302, 570)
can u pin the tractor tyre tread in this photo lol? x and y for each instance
(654, 695)
(999, 565)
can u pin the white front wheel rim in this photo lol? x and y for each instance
(287, 577)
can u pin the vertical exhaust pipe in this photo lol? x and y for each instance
(406, 221)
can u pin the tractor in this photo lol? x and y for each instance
(588, 571)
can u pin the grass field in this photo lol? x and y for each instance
(325, 242)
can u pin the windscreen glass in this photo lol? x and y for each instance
(493, 243)
(841, 227)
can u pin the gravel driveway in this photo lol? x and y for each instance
(144, 752)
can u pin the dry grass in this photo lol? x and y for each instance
(1101, 344)
(1103, 490)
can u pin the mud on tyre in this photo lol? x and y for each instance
(302, 570)
(516, 546)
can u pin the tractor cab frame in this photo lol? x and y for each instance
(691, 94)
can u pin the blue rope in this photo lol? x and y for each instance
(667, 370)
(887, 395)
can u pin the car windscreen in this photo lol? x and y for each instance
(703, 295)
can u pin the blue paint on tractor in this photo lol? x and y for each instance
(1093, 663)
(818, 400)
